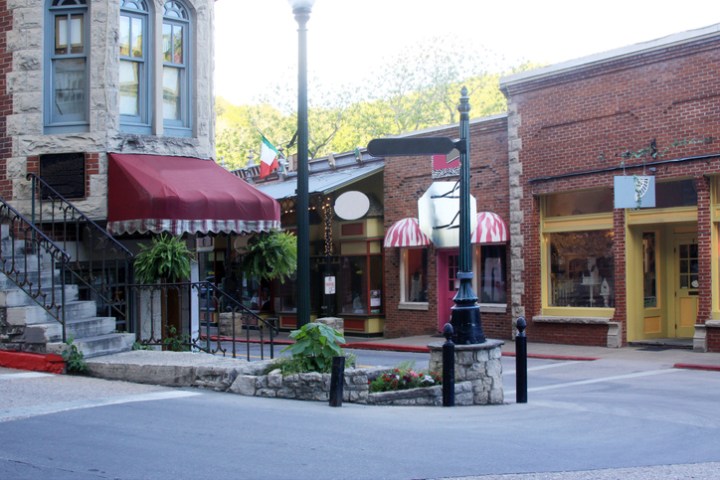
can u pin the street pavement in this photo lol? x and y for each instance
(593, 413)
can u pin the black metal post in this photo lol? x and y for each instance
(448, 356)
(337, 378)
(302, 15)
(465, 316)
(521, 362)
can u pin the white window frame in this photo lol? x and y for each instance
(405, 303)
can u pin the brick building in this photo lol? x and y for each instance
(420, 278)
(585, 271)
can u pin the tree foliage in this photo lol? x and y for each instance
(421, 90)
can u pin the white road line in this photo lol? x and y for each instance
(591, 381)
(543, 367)
(27, 412)
(23, 375)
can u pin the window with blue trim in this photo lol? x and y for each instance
(134, 94)
(66, 83)
(176, 71)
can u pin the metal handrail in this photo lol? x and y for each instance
(103, 268)
(153, 301)
(23, 246)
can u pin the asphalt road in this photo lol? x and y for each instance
(605, 419)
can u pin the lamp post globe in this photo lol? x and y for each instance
(301, 10)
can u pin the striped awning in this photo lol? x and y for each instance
(490, 229)
(406, 233)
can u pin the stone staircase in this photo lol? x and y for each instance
(29, 327)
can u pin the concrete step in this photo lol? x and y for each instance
(16, 297)
(105, 344)
(35, 314)
(45, 276)
(77, 329)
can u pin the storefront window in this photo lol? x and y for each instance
(579, 203)
(360, 285)
(581, 269)
(649, 274)
(492, 274)
(414, 267)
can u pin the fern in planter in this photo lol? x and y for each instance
(167, 259)
(271, 256)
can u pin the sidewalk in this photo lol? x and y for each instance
(663, 357)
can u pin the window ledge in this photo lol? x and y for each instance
(713, 323)
(493, 307)
(413, 306)
(571, 319)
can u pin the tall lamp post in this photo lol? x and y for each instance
(301, 10)
(465, 316)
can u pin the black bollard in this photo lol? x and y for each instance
(337, 375)
(521, 362)
(448, 376)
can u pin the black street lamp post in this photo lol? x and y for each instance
(301, 10)
(465, 317)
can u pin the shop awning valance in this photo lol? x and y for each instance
(406, 233)
(157, 193)
(490, 229)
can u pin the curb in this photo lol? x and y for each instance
(695, 366)
(36, 362)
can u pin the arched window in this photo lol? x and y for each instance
(176, 69)
(135, 61)
(66, 61)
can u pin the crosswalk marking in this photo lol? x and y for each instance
(33, 411)
(23, 375)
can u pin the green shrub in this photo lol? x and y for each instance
(315, 346)
(74, 359)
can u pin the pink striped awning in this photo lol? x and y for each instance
(406, 233)
(490, 229)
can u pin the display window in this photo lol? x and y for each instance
(491, 268)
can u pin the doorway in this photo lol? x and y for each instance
(686, 284)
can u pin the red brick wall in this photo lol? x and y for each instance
(6, 105)
(713, 339)
(584, 120)
(406, 179)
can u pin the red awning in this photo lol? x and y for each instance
(406, 233)
(490, 229)
(157, 193)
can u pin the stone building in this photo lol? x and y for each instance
(83, 78)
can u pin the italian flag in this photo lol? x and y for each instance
(268, 157)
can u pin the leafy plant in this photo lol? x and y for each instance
(404, 377)
(175, 342)
(74, 359)
(168, 258)
(315, 346)
(271, 256)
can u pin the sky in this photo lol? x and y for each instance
(348, 40)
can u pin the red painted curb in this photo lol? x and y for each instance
(693, 366)
(387, 347)
(36, 362)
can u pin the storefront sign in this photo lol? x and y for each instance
(439, 214)
(444, 166)
(634, 191)
(329, 285)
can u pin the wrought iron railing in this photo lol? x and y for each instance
(99, 264)
(167, 316)
(33, 262)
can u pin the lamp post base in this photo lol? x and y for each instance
(465, 320)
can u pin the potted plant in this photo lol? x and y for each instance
(270, 256)
(166, 260)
